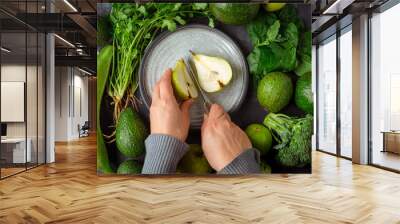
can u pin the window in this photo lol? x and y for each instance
(327, 96)
(385, 89)
(346, 92)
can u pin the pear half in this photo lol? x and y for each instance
(213, 73)
(182, 83)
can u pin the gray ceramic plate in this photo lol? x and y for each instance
(168, 47)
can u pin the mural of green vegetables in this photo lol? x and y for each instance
(253, 59)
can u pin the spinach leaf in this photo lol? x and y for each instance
(258, 28)
(275, 39)
(274, 46)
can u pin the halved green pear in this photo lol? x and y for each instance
(213, 73)
(182, 83)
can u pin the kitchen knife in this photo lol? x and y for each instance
(206, 102)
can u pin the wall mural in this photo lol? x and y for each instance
(201, 89)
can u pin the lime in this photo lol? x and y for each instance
(260, 137)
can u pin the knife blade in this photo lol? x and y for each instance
(206, 102)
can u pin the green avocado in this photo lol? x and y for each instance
(234, 13)
(274, 91)
(194, 161)
(129, 166)
(130, 133)
(303, 96)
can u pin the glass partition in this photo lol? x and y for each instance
(327, 96)
(14, 145)
(22, 77)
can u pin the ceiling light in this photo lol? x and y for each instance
(64, 40)
(84, 71)
(338, 6)
(5, 50)
(70, 5)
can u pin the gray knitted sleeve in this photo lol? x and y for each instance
(246, 163)
(163, 153)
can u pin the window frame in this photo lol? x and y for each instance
(333, 37)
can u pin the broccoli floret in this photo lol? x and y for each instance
(293, 136)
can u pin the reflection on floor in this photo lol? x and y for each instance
(386, 159)
(69, 191)
(9, 170)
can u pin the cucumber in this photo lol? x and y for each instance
(104, 59)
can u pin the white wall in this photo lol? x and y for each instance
(61, 103)
(70, 83)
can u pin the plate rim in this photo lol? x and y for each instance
(142, 89)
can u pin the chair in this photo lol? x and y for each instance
(84, 130)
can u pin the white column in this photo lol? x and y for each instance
(50, 100)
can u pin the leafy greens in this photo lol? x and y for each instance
(275, 39)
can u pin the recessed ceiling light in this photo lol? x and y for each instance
(64, 40)
(70, 5)
(84, 71)
(337, 7)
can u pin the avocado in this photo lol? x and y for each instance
(303, 96)
(130, 133)
(234, 13)
(129, 166)
(274, 91)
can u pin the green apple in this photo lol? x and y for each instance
(265, 168)
(213, 72)
(194, 161)
(272, 7)
(182, 83)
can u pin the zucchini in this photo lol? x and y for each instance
(104, 59)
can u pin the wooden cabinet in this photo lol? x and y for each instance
(391, 142)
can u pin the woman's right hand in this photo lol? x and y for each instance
(222, 140)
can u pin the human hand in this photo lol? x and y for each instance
(166, 116)
(222, 140)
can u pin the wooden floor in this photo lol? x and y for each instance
(70, 192)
